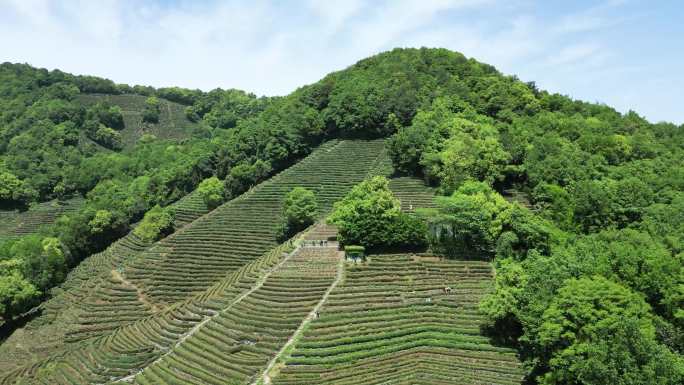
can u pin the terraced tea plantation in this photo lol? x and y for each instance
(76, 308)
(412, 193)
(173, 124)
(245, 228)
(221, 302)
(402, 319)
(207, 250)
(17, 223)
(237, 343)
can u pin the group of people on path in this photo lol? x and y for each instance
(314, 243)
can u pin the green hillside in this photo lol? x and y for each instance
(15, 223)
(415, 218)
(88, 306)
(391, 321)
(173, 122)
(172, 125)
(70, 303)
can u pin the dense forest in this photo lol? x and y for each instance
(579, 207)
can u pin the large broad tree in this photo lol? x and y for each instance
(300, 208)
(299, 211)
(371, 216)
(599, 332)
(469, 222)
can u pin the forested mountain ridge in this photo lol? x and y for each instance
(601, 223)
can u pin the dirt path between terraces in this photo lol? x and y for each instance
(141, 295)
(265, 378)
(197, 327)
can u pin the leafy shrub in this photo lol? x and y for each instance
(244, 176)
(469, 222)
(156, 223)
(108, 137)
(110, 116)
(299, 211)
(14, 191)
(151, 111)
(300, 207)
(212, 192)
(17, 295)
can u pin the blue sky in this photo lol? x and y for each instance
(625, 53)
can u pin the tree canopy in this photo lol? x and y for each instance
(371, 216)
(300, 207)
(212, 191)
(300, 210)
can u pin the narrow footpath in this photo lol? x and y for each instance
(199, 325)
(264, 378)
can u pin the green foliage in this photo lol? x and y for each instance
(109, 116)
(156, 223)
(526, 290)
(466, 158)
(179, 95)
(13, 191)
(212, 192)
(406, 147)
(28, 267)
(43, 260)
(151, 112)
(451, 143)
(224, 108)
(636, 260)
(469, 222)
(620, 354)
(596, 331)
(371, 97)
(108, 137)
(666, 222)
(17, 295)
(555, 203)
(300, 210)
(371, 216)
(406, 231)
(244, 176)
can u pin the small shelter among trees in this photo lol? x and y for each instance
(354, 253)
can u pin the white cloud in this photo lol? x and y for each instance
(334, 14)
(573, 53)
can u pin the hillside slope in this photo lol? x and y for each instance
(14, 223)
(391, 321)
(578, 207)
(172, 124)
(58, 322)
(288, 316)
(210, 248)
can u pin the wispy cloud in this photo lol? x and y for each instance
(573, 53)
